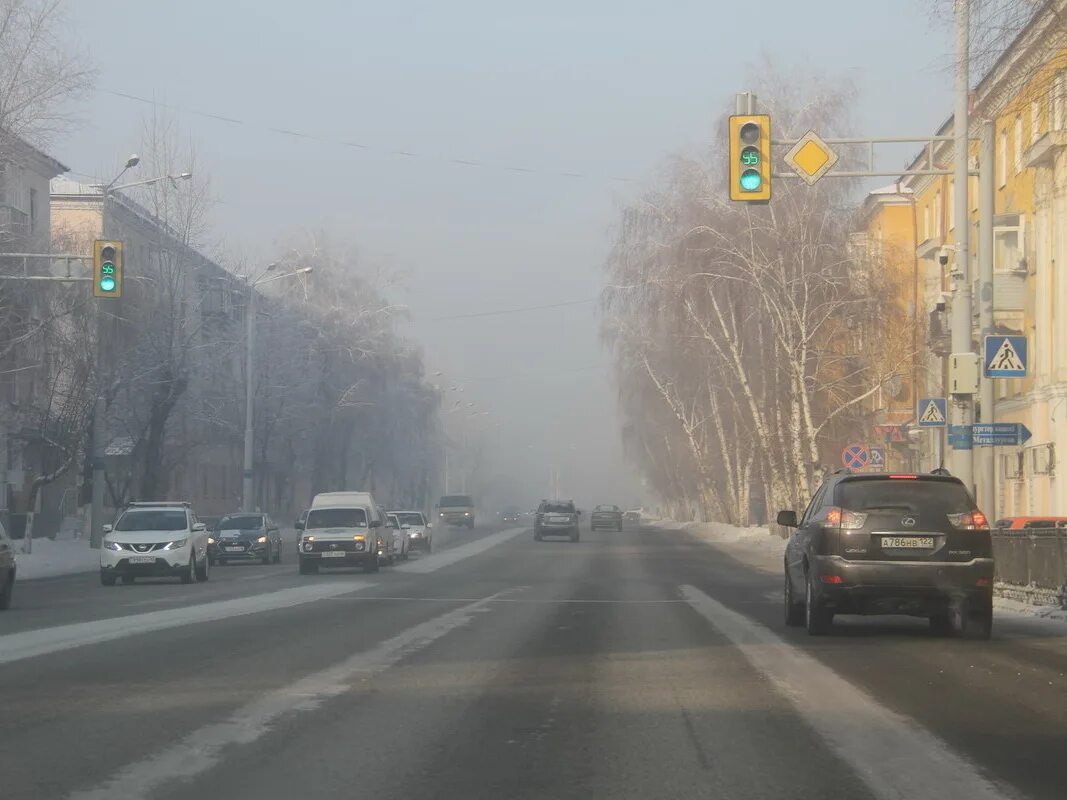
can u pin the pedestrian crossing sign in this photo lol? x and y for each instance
(932, 412)
(1005, 356)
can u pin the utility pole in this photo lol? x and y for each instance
(985, 464)
(247, 483)
(961, 407)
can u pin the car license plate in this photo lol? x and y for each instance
(235, 549)
(907, 542)
(334, 554)
(142, 560)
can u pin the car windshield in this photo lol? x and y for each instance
(454, 500)
(606, 508)
(558, 508)
(411, 518)
(908, 496)
(152, 519)
(336, 518)
(244, 522)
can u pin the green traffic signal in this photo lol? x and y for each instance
(751, 180)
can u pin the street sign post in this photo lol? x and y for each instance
(877, 459)
(856, 456)
(811, 157)
(961, 437)
(1000, 434)
(1005, 356)
(932, 412)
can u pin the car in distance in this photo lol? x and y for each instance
(606, 516)
(420, 532)
(153, 540)
(456, 510)
(510, 515)
(890, 544)
(251, 536)
(556, 518)
(7, 569)
(633, 515)
(344, 529)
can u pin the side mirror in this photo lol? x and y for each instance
(199, 526)
(299, 524)
(429, 524)
(107, 529)
(787, 519)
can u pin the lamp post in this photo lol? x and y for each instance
(248, 482)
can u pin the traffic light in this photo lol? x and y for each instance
(107, 268)
(750, 157)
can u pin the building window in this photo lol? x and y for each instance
(1007, 249)
(1056, 101)
(1035, 120)
(926, 222)
(33, 210)
(938, 214)
(1017, 145)
(1002, 158)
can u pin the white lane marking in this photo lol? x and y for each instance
(446, 558)
(27, 644)
(202, 749)
(891, 753)
(569, 601)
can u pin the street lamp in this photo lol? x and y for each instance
(248, 483)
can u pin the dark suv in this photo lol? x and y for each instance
(557, 518)
(890, 544)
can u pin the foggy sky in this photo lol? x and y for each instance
(603, 89)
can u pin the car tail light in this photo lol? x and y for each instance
(904, 477)
(832, 579)
(845, 519)
(969, 520)
(983, 583)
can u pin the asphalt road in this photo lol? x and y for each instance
(635, 665)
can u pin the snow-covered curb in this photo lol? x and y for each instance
(51, 557)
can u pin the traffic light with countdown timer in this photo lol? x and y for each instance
(750, 157)
(107, 268)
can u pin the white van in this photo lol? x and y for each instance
(344, 529)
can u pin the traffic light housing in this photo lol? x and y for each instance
(750, 157)
(107, 268)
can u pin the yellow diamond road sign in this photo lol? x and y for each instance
(811, 157)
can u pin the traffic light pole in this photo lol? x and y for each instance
(985, 466)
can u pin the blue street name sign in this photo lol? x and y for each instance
(960, 437)
(1000, 434)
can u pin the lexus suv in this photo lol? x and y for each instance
(154, 540)
(890, 544)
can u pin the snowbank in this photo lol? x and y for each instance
(55, 557)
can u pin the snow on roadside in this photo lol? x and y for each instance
(55, 557)
(755, 546)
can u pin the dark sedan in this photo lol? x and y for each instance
(606, 516)
(246, 537)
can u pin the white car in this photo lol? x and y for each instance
(401, 540)
(154, 540)
(420, 532)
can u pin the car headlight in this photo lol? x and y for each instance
(466, 513)
(112, 545)
(211, 540)
(176, 545)
(262, 540)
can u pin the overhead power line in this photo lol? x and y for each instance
(338, 142)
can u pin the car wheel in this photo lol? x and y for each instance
(278, 553)
(576, 536)
(618, 528)
(941, 623)
(977, 618)
(308, 567)
(267, 553)
(202, 573)
(189, 573)
(537, 537)
(372, 564)
(816, 618)
(107, 578)
(794, 611)
(5, 595)
(429, 545)
(129, 579)
(212, 561)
